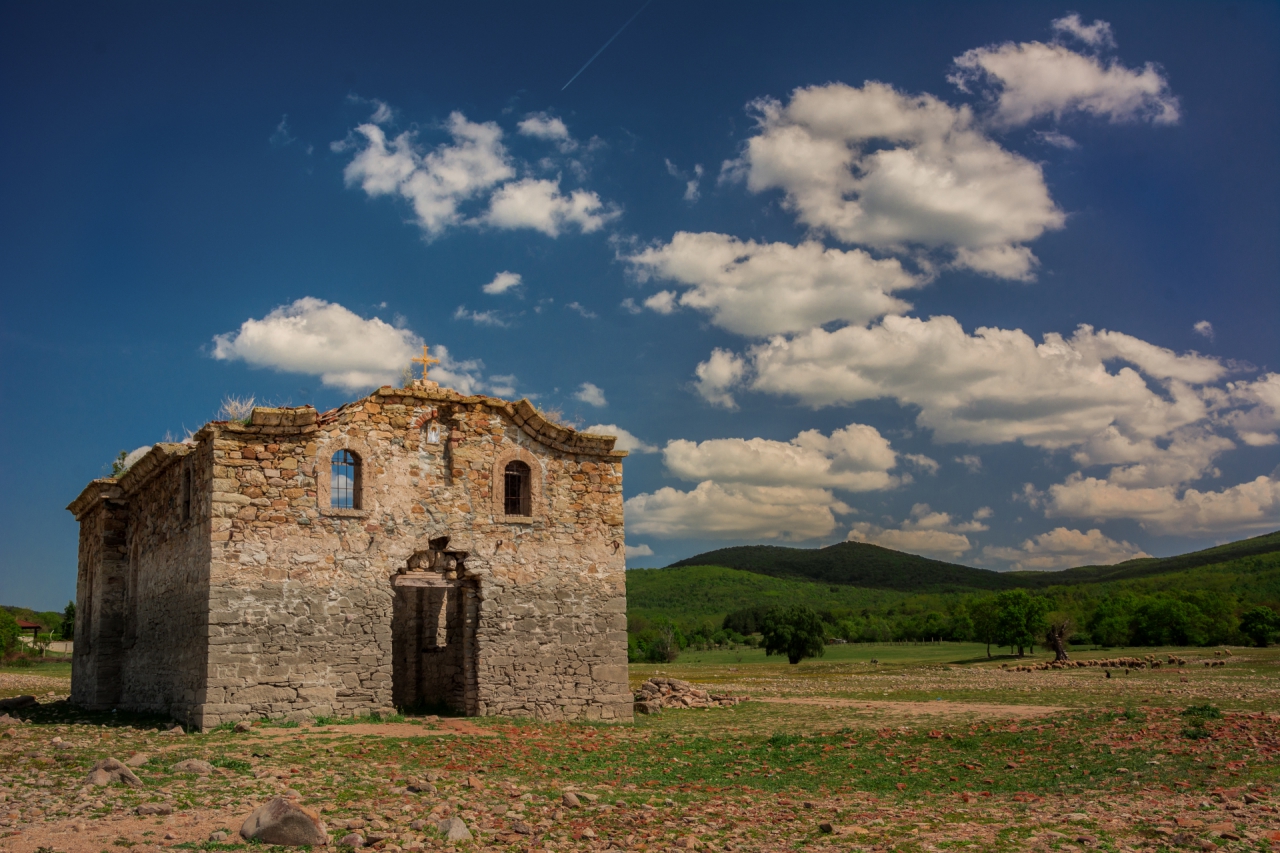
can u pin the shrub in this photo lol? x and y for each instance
(9, 632)
(1259, 624)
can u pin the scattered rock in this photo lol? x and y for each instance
(418, 825)
(154, 809)
(192, 765)
(352, 839)
(110, 770)
(454, 829)
(176, 730)
(6, 720)
(473, 782)
(243, 726)
(660, 692)
(137, 759)
(218, 837)
(588, 833)
(826, 826)
(282, 821)
(571, 800)
(519, 826)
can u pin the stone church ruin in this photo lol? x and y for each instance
(414, 549)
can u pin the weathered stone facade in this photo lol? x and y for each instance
(227, 578)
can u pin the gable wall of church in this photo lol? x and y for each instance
(301, 596)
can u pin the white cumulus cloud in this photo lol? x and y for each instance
(347, 351)
(502, 282)
(435, 182)
(1257, 420)
(638, 551)
(539, 204)
(881, 168)
(626, 440)
(591, 395)
(322, 338)
(855, 458)
(1031, 79)
(996, 385)
(545, 126)
(1253, 505)
(719, 373)
(714, 511)
(1062, 548)
(767, 288)
(1097, 34)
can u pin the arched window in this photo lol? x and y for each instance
(344, 481)
(517, 483)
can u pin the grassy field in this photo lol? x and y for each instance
(932, 747)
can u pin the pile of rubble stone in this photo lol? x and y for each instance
(658, 693)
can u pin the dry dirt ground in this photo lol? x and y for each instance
(983, 759)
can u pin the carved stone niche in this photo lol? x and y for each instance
(437, 566)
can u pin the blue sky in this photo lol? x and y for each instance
(994, 283)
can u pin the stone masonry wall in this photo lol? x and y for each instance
(95, 664)
(167, 587)
(301, 595)
(142, 587)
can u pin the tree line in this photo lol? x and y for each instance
(1014, 619)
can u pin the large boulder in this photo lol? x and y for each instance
(109, 770)
(454, 829)
(192, 765)
(283, 821)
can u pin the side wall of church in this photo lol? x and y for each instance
(95, 663)
(142, 585)
(166, 589)
(301, 596)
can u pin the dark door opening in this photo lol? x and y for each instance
(432, 646)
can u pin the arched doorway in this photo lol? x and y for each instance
(433, 632)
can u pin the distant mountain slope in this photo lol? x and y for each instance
(855, 564)
(1146, 566)
(872, 567)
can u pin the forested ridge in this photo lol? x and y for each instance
(1201, 598)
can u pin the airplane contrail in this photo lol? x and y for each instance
(606, 44)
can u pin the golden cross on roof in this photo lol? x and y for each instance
(426, 361)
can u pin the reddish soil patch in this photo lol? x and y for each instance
(78, 835)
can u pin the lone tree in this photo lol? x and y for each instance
(794, 631)
(1056, 638)
(1259, 624)
(1020, 619)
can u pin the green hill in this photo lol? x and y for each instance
(854, 564)
(690, 595)
(1146, 566)
(869, 593)
(862, 565)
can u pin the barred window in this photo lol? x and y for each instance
(517, 481)
(344, 481)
